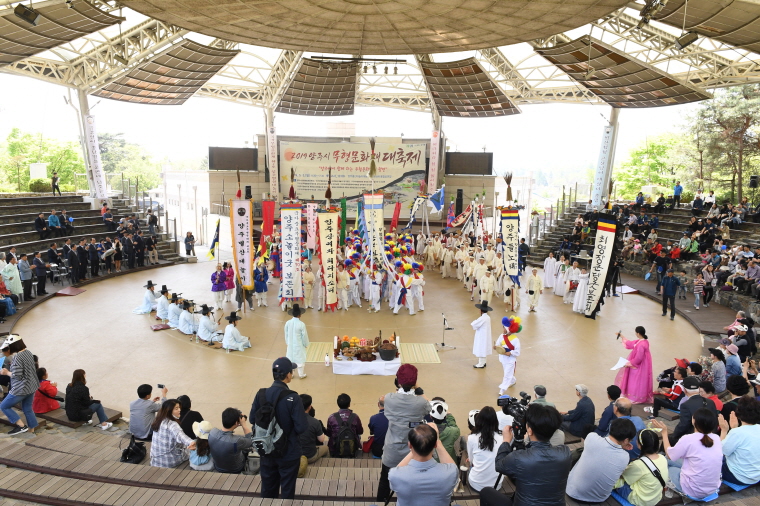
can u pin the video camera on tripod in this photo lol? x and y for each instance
(516, 408)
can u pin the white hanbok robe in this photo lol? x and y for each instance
(508, 362)
(534, 283)
(487, 286)
(374, 290)
(550, 268)
(297, 340)
(559, 279)
(571, 274)
(12, 279)
(579, 302)
(174, 312)
(162, 307)
(208, 330)
(186, 323)
(481, 346)
(511, 300)
(148, 303)
(233, 340)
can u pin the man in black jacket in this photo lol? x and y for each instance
(82, 255)
(139, 249)
(129, 250)
(688, 407)
(66, 248)
(92, 253)
(52, 254)
(280, 473)
(577, 421)
(40, 269)
(41, 226)
(523, 252)
(66, 224)
(73, 259)
(539, 472)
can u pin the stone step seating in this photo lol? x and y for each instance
(47, 202)
(4, 419)
(59, 416)
(22, 240)
(15, 215)
(20, 226)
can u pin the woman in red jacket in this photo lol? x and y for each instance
(44, 398)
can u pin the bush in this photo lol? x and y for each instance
(39, 186)
(686, 197)
(67, 187)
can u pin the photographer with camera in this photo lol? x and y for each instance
(227, 449)
(404, 409)
(539, 471)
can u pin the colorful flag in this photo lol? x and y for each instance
(437, 200)
(215, 243)
(450, 216)
(396, 214)
(342, 220)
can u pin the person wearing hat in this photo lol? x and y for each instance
(487, 286)
(418, 283)
(297, 340)
(162, 304)
(403, 406)
(260, 282)
(478, 272)
(175, 309)
(448, 431)
(233, 340)
(187, 323)
(510, 345)
(308, 279)
(24, 383)
(376, 282)
(278, 474)
(200, 456)
(342, 280)
(742, 341)
(669, 289)
(149, 300)
(208, 328)
(534, 289)
(482, 347)
(733, 363)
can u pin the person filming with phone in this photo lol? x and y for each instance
(142, 411)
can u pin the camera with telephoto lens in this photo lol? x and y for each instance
(516, 408)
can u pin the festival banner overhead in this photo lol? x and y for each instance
(290, 237)
(462, 218)
(241, 225)
(510, 220)
(435, 143)
(373, 218)
(328, 246)
(272, 160)
(95, 175)
(600, 263)
(400, 168)
(311, 225)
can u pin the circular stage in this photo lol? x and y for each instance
(96, 331)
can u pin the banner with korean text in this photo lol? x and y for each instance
(510, 220)
(241, 225)
(95, 175)
(328, 231)
(272, 162)
(400, 169)
(290, 238)
(435, 143)
(373, 218)
(600, 263)
(311, 225)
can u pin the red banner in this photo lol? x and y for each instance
(267, 213)
(396, 214)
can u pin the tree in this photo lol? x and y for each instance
(651, 163)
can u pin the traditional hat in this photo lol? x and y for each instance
(205, 309)
(202, 429)
(187, 304)
(149, 285)
(174, 297)
(484, 307)
(682, 362)
(295, 311)
(233, 317)
(164, 289)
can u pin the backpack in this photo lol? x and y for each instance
(346, 437)
(153, 220)
(268, 437)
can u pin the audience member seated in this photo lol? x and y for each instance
(613, 392)
(707, 390)
(200, 457)
(622, 410)
(418, 478)
(577, 421)
(738, 387)
(80, 406)
(448, 431)
(539, 471)
(669, 398)
(344, 428)
(46, 396)
(694, 463)
(312, 440)
(481, 450)
(741, 443)
(378, 427)
(643, 480)
(733, 363)
(187, 417)
(693, 402)
(142, 411)
(718, 369)
(602, 462)
(170, 446)
(229, 450)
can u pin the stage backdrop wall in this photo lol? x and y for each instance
(400, 168)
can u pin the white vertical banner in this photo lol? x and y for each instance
(311, 225)
(373, 220)
(95, 176)
(329, 238)
(435, 145)
(241, 212)
(510, 220)
(597, 191)
(290, 236)
(600, 263)
(274, 177)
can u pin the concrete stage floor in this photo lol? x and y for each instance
(96, 331)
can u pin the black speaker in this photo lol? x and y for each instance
(27, 14)
(458, 203)
(248, 194)
(753, 181)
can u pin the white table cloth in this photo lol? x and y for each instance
(378, 367)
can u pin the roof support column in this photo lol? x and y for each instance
(606, 159)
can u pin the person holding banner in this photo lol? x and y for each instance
(374, 290)
(242, 295)
(511, 293)
(559, 276)
(534, 289)
(342, 280)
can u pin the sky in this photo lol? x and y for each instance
(543, 137)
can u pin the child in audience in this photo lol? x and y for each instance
(45, 397)
(699, 289)
(200, 456)
(684, 284)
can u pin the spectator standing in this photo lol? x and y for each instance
(608, 415)
(229, 451)
(741, 443)
(677, 191)
(639, 484)
(25, 273)
(54, 182)
(344, 429)
(152, 222)
(601, 464)
(187, 417)
(378, 427)
(670, 286)
(278, 474)
(170, 446)
(93, 257)
(312, 440)
(23, 384)
(577, 421)
(142, 411)
(190, 244)
(40, 269)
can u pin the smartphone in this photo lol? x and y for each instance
(160, 386)
(414, 424)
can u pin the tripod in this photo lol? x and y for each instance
(442, 345)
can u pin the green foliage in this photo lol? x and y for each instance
(651, 163)
(39, 185)
(67, 187)
(117, 156)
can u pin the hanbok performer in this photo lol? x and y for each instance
(498, 274)
(174, 311)
(149, 299)
(635, 378)
(162, 304)
(218, 285)
(550, 268)
(297, 340)
(233, 340)
(511, 346)
(481, 346)
(579, 301)
(511, 293)
(534, 289)
(208, 328)
(308, 285)
(559, 276)
(187, 323)
(572, 277)
(374, 289)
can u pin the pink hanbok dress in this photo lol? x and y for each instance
(635, 382)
